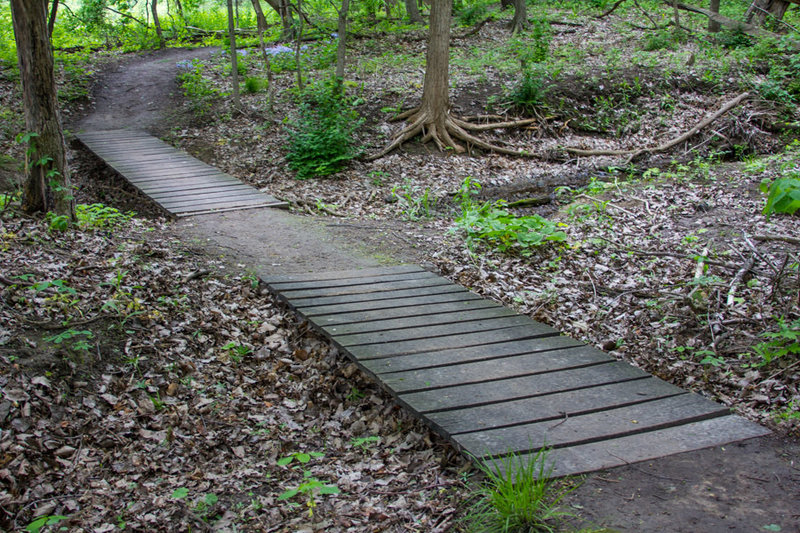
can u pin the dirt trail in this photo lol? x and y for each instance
(743, 487)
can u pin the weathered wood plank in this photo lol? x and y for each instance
(644, 446)
(395, 295)
(415, 320)
(483, 351)
(427, 332)
(433, 310)
(391, 349)
(553, 407)
(221, 205)
(184, 178)
(207, 198)
(494, 369)
(154, 191)
(476, 394)
(289, 286)
(402, 305)
(341, 274)
(430, 281)
(591, 427)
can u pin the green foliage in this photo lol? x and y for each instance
(493, 225)
(310, 488)
(783, 194)
(516, 495)
(530, 92)
(472, 13)
(413, 203)
(364, 443)
(99, 216)
(201, 94)
(784, 343)
(660, 40)
(299, 457)
(42, 521)
(255, 85)
(733, 39)
(76, 342)
(321, 133)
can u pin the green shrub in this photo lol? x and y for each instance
(517, 495)
(530, 92)
(491, 224)
(783, 195)
(472, 14)
(784, 343)
(201, 94)
(255, 85)
(321, 132)
(660, 40)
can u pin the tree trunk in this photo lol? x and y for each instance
(47, 185)
(51, 21)
(412, 10)
(713, 25)
(520, 20)
(436, 87)
(763, 10)
(341, 51)
(282, 8)
(156, 23)
(234, 56)
(298, 45)
(181, 14)
(261, 20)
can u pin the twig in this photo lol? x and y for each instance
(738, 279)
(613, 8)
(779, 372)
(770, 237)
(633, 154)
(566, 416)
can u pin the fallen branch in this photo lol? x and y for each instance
(613, 8)
(737, 279)
(784, 238)
(633, 154)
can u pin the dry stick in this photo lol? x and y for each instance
(770, 237)
(738, 278)
(613, 8)
(666, 146)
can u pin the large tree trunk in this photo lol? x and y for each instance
(435, 103)
(283, 9)
(234, 56)
(261, 20)
(47, 185)
(713, 25)
(412, 10)
(520, 20)
(157, 23)
(341, 50)
(763, 10)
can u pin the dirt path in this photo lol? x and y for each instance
(743, 487)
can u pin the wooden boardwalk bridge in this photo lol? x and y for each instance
(493, 382)
(176, 181)
(489, 380)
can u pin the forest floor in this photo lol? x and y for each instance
(179, 382)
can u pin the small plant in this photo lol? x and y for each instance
(517, 494)
(299, 457)
(321, 134)
(236, 351)
(490, 223)
(413, 203)
(99, 216)
(255, 85)
(784, 342)
(42, 521)
(783, 194)
(201, 94)
(77, 342)
(364, 443)
(310, 488)
(529, 93)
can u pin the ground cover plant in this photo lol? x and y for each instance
(165, 390)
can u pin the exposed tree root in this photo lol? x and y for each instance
(450, 133)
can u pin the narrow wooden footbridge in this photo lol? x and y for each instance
(494, 382)
(174, 180)
(489, 380)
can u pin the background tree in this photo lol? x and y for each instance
(520, 20)
(47, 184)
(412, 10)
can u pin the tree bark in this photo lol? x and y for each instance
(261, 20)
(234, 56)
(412, 10)
(713, 25)
(520, 20)
(47, 184)
(762, 10)
(436, 87)
(341, 50)
(157, 23)
(51, 21)
(282, 8)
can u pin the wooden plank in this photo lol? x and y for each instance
(199, 192)
(644, 446)
(235, 197)
(286, 287)
(200, 186)
(389, 366)
(429, 332)
(395, 295)
(381, 287)
(412, 317)
(476, 394)
(160, 170)
(592, 427)
(494, 369)
(401, 305)
(184, 177)
(341, 274)
(220, 205)
(197, 196)
(392, 349)
(553, 407)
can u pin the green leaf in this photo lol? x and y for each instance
(180, 493)
(291, 493)
(771, 527)
(284, 461)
